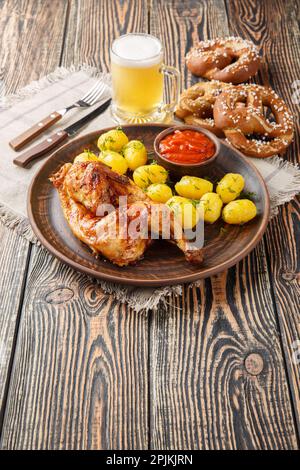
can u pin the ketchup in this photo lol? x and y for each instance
(187, 147)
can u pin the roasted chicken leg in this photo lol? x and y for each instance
(83, 187)
(92, 184)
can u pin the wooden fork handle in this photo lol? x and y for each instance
(40, 149)
(31, 133)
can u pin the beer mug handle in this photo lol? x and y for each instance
(174, 74)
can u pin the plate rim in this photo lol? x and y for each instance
(208, 272)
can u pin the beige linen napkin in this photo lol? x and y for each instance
(57, 90)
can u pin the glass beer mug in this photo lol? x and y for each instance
(138, 80)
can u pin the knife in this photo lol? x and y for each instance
(59, 136)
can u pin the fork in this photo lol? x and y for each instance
(89, 99)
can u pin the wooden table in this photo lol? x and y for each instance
(213, 369)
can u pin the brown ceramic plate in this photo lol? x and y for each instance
(163, 263)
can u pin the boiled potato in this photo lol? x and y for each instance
(144, 175)
(230, 187)
(112, 140)
(157, 173)
(193, 187)
(114, 160)
(135, 154)
(141, 177)
(86, 156)
(211, 203)
(185, 211)
(239, 212)
(159, 192)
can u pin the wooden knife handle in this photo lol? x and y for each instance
(40, 149)
(31, 133)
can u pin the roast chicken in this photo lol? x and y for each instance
(90, 197)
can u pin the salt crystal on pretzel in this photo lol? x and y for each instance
(196, 105)
(231, 60)
(240, 122)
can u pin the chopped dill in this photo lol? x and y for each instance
(247, 195)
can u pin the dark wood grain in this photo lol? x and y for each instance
(274, 26)
(212, 400)
(207, 393)
(80, 372)
(13, 259)
(31, 39)
(80, 377)
(23, 27)
(94, 24)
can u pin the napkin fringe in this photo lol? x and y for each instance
(141, 300)
(17, 223)
(58, 74)
(290, 190)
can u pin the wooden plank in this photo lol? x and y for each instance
(24, 25)
(217, 368)
(13, 259)
(80, 377)
(218, 379)
(94, 24)
(278, 32)
(31, 39)
(80, 371)
(181, 24)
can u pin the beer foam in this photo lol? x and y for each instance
(136, 50)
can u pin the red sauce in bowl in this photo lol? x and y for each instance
(187, 147)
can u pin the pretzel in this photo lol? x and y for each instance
(239, 112)
(196, 105)
(231, 60)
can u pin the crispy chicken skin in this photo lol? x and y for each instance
(92, 183)
(93, 231)
(82, 187)
(88, 185)
(80, 195)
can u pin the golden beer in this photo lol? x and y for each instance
(137, 90)
(137, 78)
